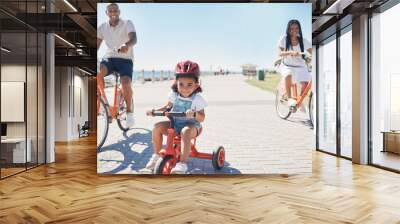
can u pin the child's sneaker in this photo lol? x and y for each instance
(152, 162)
(180, 168)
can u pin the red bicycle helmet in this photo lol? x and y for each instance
(187, 69)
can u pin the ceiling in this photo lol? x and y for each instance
(78, 27)
(328, 15)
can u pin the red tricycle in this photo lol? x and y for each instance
(171, 154)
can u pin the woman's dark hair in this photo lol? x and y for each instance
(300, 38)
(174, 86)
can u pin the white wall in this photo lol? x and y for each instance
(70, 84)
(61, 103)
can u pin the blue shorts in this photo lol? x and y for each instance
(120, 65)
(179, 124)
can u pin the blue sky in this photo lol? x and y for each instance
(223, 35)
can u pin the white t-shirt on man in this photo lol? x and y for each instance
(116, 36)
(294, 60)
(198, 102)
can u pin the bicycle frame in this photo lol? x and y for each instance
(114, 108)
(300, 99)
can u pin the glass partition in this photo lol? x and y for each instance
(22, 89)
(385, 90)
(346, 93)
(327, 95)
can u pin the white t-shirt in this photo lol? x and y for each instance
(294, 60)
(198, 103)
(115, 37)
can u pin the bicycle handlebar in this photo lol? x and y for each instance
(116, 50)
(300, 54)
(280, 60)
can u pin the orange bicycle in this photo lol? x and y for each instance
(106, 113)
(286, 105)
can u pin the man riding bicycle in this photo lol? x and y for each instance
(120, 37)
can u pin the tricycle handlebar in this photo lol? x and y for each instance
(169, 114)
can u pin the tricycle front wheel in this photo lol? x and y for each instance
(164, 165)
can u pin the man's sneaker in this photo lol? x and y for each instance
(292, 102)
(130, 120)
(284, 98)
(180, 168)
(152, 162)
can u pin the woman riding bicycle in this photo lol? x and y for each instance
(291, 48)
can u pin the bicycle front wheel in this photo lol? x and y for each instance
(281, 105)
(121, 117)
(102, 123)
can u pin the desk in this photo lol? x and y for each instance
(13, 150)
(391, 141)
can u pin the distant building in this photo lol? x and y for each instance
(249, 70)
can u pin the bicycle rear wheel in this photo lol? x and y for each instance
(102, 124)
(121, 117)
(281, 105)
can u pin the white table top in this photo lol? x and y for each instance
(13, 140)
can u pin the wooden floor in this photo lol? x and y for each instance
(70, 191)
(10, 171)
(387, 159)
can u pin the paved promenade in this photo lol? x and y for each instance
(239, 116)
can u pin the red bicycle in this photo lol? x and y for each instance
(106, 113)
(171, 154)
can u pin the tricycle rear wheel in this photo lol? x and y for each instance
(218, 158)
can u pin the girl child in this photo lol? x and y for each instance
(185, 97)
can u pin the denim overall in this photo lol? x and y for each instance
(182, 106)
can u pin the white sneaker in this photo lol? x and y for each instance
(130, 120)
(292, 102)
(180, 168)
(152, 162)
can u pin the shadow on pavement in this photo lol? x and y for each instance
(136, 161)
